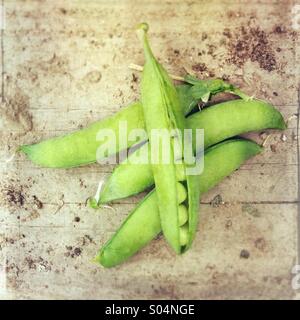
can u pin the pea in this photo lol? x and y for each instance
(180, 172)
(219, 122)
(181, 192)
(182, 214)
(184, 235)
(143, 223)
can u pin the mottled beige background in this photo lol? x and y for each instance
(64, 65)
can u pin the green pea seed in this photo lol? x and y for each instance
(184, 235)
(181, 192)
(182, 215)
(180, 172)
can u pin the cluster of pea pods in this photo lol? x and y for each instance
(172, 207)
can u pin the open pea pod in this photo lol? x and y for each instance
(161, 106)
(143, 223)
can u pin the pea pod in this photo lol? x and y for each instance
(161, 106)
(143, 223)
(219, 122)
(80, 147)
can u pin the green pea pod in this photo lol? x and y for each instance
(80, 147)
(161, 106)
(143, 223)
(219, 122)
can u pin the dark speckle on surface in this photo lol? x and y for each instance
(244, 254)
(77, 251)
(176, 52)
(200, 67)
(216, 201)
(37, 202)
(273, 148)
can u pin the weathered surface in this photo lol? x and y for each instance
(66, 65)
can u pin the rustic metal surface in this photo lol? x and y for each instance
(64, 65)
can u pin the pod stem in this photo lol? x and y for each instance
(94, 202)
(137, 67)
(241, 94)
(142, 30)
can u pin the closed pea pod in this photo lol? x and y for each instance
(80, 147)
(143, 223)
(219, 122)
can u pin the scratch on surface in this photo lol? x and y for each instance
(60, 206)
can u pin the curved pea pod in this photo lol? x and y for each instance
(80, 147)
(219, 122)
(238, 116)
(143, 223)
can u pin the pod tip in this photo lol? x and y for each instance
(96, 259)
(100, 259)
(23, 148)
(143, 26)
(92, 202)
(284, 125)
